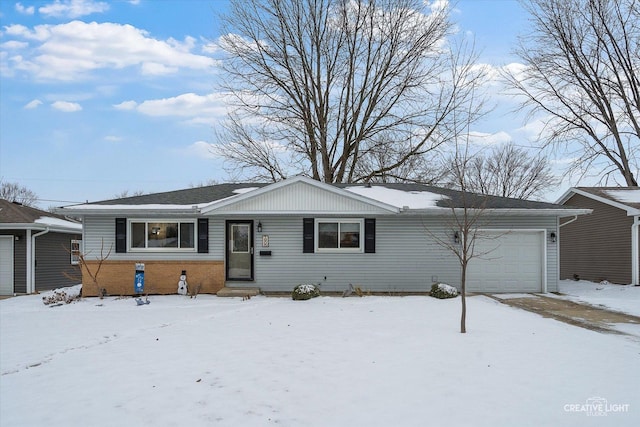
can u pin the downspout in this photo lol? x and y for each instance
(31, 283)
(568, 222)
(635, 251)
(575, 217)
(28, 262)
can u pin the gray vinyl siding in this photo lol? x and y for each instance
(407, 256)
(99, 237)
(596, 247)
(53, 261)
(19, 260)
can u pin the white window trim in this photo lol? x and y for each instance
(75, 260)
(146, 221)
(358, 250)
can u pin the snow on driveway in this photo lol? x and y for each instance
(622, 298)
(371, 361)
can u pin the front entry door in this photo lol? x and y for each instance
(239, 250)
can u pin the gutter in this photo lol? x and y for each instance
(561, 213)
(129, 210)
(31, 259)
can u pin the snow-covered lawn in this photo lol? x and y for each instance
(623, 298)
(371, 361)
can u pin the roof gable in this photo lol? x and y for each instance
(625, 198)
(300, 195)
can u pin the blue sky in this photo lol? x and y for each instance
(100, 97)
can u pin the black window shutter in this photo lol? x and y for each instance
(121, 235)
(203, 235)
(308, 244)
(369, 235)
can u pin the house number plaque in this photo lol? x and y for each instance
(265, 241)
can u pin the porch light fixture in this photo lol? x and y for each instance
(552, 237)
(456, 237)
(259, 227)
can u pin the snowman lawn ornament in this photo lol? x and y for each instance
(182, 283)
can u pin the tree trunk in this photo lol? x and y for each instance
(463, 294)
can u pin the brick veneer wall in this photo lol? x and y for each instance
(160, 277)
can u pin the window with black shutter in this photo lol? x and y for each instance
(121, 235)
(203, 235)
(308, 230)
(369, 235)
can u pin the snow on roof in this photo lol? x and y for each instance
(244, 190)
(57, 222)
(625, 196)
(399, 198)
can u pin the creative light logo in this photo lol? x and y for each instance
(596, 407)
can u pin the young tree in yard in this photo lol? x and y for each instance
(507, 171)
(581, 75)
(14, 192)
(322, 87)
(467, 213)
(92, 268)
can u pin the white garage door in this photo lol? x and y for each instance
(512, 261)
(6, 265)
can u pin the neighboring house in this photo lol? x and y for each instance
(605, 244)
(38, 250)
(380, 237)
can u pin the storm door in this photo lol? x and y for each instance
(239, 239)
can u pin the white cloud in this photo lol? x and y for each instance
(39, 33)
(14, 45)
(201, 149)
(67, 107)
(126, 105)
(112, 138)
(25, 10)
(438, 5)
(75, 49)
(155, 69)
(73, 8)
(482, 138)
(198, 109)
(534, 129)
(33, 104)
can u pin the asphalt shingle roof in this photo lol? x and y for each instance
(16, 213)
(206, 194)
(189, 196)
(604, 192)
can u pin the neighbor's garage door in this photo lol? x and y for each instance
(6, 265)
(508, 262)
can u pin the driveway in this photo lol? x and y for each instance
(578, 314)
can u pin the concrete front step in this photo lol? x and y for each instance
(238, 292)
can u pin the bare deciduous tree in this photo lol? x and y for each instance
(467, 217)
(93, 267)
(506, 171)
(322, 87)
(582, 73)
(14, 192)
